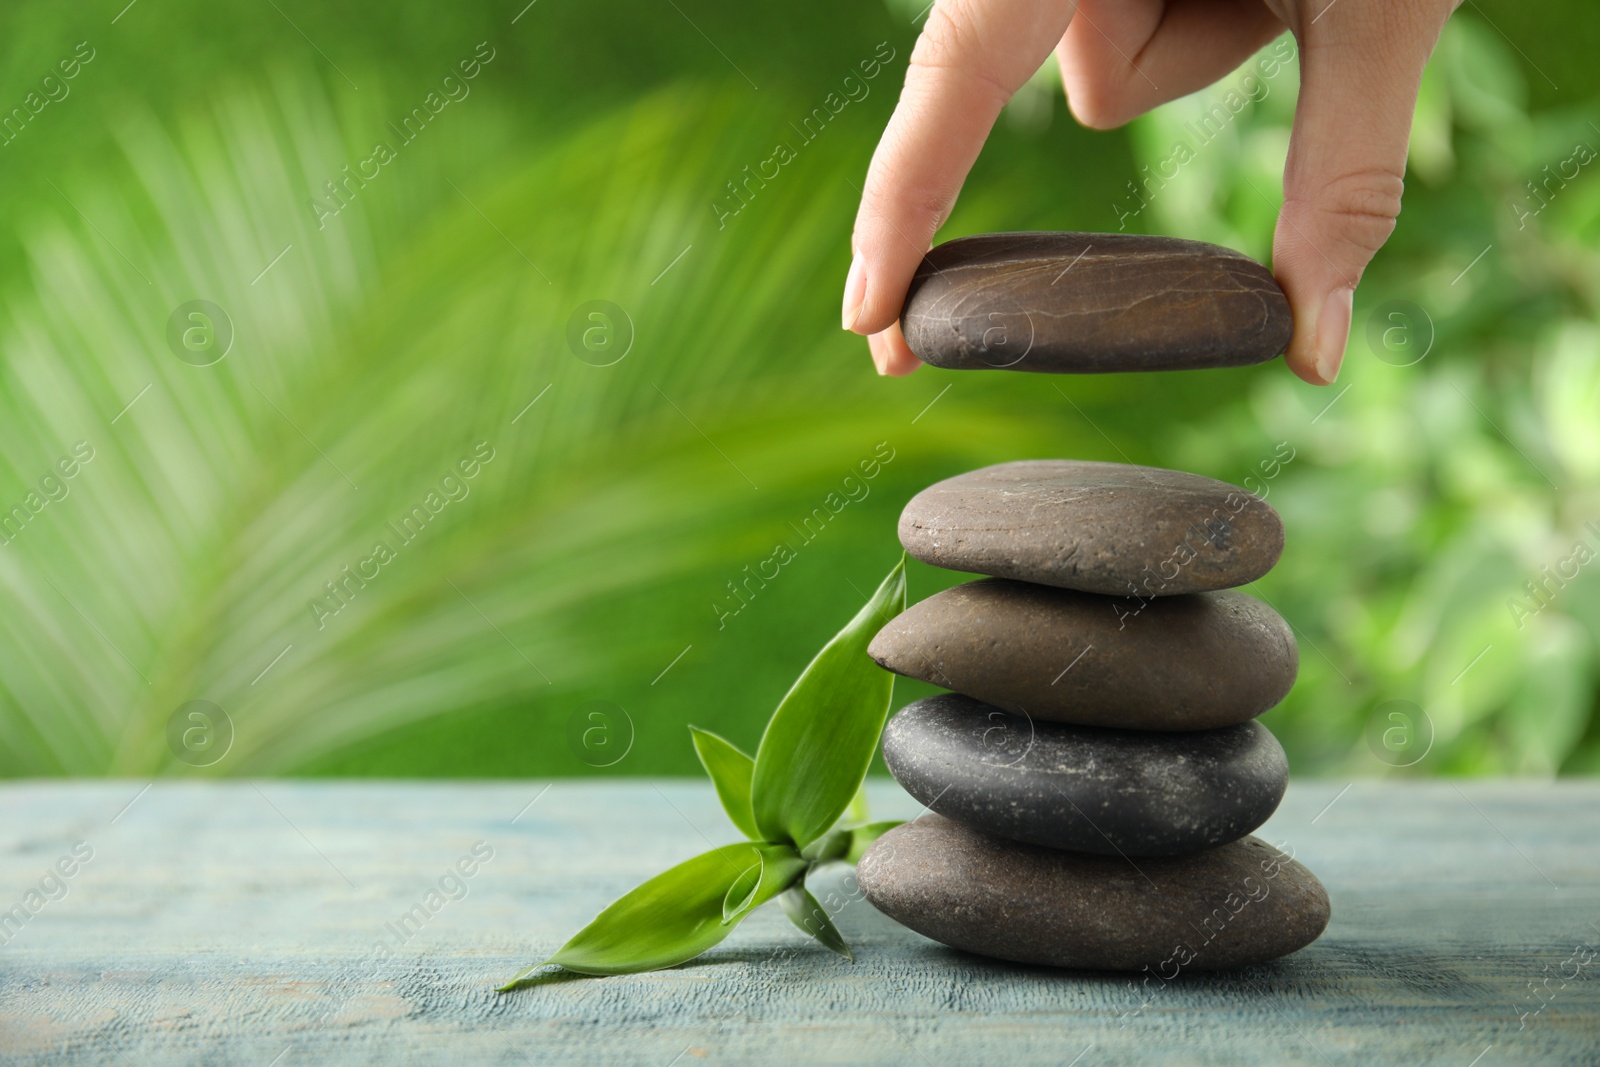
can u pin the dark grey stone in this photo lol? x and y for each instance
(1111, 528)
(1240, 904)
(1092, 303)
(1085, 788)
(1191, 662)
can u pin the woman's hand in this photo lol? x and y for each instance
(1361, 62)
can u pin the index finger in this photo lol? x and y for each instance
(973, 55)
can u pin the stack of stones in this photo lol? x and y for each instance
(1093, 778)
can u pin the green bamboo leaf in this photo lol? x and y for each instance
(741, 895)
(730, 770)
(832, 845)
(810, 916)
(820, 741)
(676, 915)
(845, 842)
(858, 812)
(862, 837)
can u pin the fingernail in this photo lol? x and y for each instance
(855, 293)
(1333, 333)
(879, 357)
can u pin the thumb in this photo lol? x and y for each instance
(1361, 65)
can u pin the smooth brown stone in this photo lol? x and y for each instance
(1241, 904)
(1090, 303)
(1191, 662)
(1111, 528)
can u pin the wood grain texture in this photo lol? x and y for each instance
(265, 924)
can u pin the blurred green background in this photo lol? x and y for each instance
(566, 610)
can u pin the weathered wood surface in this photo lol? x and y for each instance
(240, 923)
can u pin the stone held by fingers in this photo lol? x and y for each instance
(1113, 528)
(1089, 303)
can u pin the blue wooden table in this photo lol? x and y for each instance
(277, 924)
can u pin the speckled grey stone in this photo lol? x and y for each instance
(1191, 662)
(1092, 303)
(1240, 904)
(1085, 788)
(1111, 528)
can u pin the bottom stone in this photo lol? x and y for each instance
(1243, 903)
